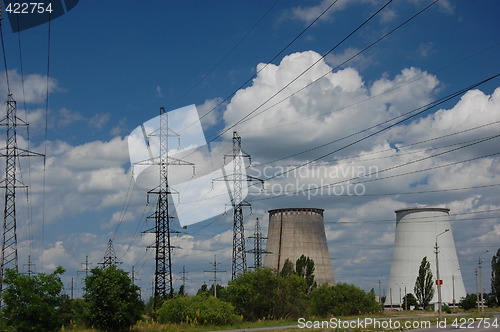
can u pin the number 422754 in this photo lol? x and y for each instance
(29, 8)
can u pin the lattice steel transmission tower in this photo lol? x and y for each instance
(239, 262)
(257, 250)
(11, 152)
(109, 257)
(163, 283)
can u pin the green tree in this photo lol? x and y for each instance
(264, 293)
(289, 299)
(287, 269)
(203, 290)
(495, 277)
(468, 302)
(113, 302)
(409, 300)
(32, 303)
(304, 267)
(424, 286)
(182, 290)
(342, 300)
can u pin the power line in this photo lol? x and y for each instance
(126, 203)
(378, 179)
(412, 113)
(29, 212)
(430, 218)
(420, 192)
(246, 118)
(267, 63)
(333, 48)
(49, 34)
(227, 55)
(403, 146)
(303, 72)
(301, 121)
(3, 51)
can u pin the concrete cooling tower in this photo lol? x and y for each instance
(416, 231)
(295, 232)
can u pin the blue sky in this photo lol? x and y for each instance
(112, 66)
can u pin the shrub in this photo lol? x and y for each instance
(468, 302)
(263, 293)
(446, 308)
(197, 310)
(342, 300)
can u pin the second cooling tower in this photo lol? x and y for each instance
(294, 232)
(417, 230)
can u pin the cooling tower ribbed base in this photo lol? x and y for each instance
(295, 232)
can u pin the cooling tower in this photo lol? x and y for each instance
(416, 231)
(295, 232)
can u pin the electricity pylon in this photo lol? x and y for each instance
(239, 262)
(257, 250)
(110, 257)
(11, 152)
(163, 283)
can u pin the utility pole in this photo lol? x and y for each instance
(477, 292)
(390, 293)
(239, 261)
(439, 282)
(453, 288)
(110, 257)
(72, 288)
(11, 152)
(257, 250)
(380, 290)
(133, 276)
(481, 282)
(163, 283)
(215, 270)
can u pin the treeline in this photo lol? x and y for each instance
(267, 294)
(111, 302)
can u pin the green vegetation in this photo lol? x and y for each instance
(112, 302)
(265, 294)
(260, 298)
(409, 300)
(495, 279)
(197, 310)
(424, 286)
(304, 267)
(32, 303)
(469, 302)
(342, 300)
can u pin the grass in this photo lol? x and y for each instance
(149, 326)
